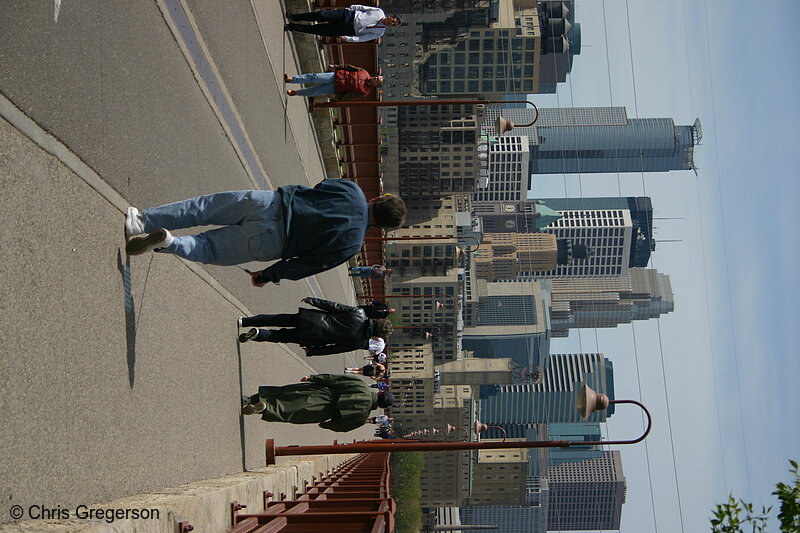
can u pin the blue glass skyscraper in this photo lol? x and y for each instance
(641, 145)
(602, 139)
(552, 400)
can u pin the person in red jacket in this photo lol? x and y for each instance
(341, 82)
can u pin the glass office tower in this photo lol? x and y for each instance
(601, 139)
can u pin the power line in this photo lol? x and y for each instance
(705, 270)
(660, 341)
(725, 253)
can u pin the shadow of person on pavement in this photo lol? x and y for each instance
(130, 315)
(241, 417)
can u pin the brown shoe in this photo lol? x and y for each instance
(147, 242)
(287, 78)
(247, 335)
(291, 92)
(253, 408)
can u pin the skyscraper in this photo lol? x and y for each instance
(509, 164)
(602, 139)
(437, 151)
(552, 400)
(641, 294)
(512, 46)
(586, 495)
(615, 233)
(499, 310)
(504, 255)
(575, 432)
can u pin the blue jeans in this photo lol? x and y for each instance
(252, 227)
(361, 272)
(325, 83)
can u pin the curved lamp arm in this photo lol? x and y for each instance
(503, 125)
(634, 441)
(477, 241)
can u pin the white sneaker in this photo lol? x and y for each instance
(239, 321)
(147, 242)
(134, 225)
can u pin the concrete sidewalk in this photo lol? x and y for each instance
(123, 376)
(120, 376)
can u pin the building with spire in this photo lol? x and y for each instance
(596, 237)
(600, 139)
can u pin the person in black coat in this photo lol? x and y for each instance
(377, 309)
(331, 328)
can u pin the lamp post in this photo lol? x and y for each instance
(501, 126)
(421, 327)
(424, 238)
(439, 305)
(478, 427)
(450, 428)
(586, 402)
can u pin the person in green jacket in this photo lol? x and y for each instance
(334, 401)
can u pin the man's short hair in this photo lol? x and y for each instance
(385, 399)
(381, 327)
(397, 19)
(389, 211)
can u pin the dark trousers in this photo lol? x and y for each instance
(331, 22)
(275, 335)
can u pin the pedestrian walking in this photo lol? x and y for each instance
(340, 82)
(380, 385)
(334, 401)
(377, 343)
(377, 309)
(378, 358)
(354, 24)
(380, 420)
(331, 328)
(369, 370)
(374, 272)
(309, 229)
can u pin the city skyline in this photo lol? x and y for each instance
(730, 329)
(717, 339)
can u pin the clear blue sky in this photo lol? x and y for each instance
(720, 373)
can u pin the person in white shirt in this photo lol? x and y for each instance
(355, 24)
(376, 345)
(378, 357)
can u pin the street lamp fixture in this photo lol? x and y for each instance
(479, 427)
(587, 402)
(439, 305)
(450, 428)
(501, 126)
(425, 238)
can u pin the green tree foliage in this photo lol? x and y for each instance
(789, 496)
(406, 468)
(736, 515)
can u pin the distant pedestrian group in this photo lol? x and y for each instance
(355, 24)
(374, 271)
(305, 231)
